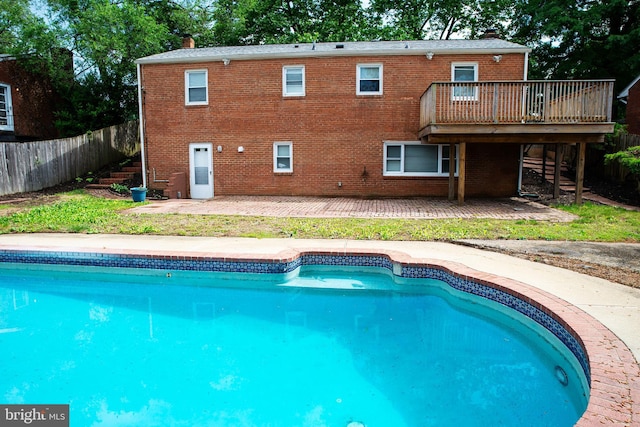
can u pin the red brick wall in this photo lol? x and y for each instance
(633, 109)
(33, 102)
(336, 135)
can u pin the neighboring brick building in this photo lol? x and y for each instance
(327, 119)
(631, 95)
(27, 103)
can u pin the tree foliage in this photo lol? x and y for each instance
(440, 19)
(581, 39)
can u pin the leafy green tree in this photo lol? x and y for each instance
(277, 21)
(107, 38)
(440, 19)
(581, 39)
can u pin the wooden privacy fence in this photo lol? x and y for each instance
(32, 166)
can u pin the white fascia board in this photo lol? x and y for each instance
(189, 59)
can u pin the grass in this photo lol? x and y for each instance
(78, 212)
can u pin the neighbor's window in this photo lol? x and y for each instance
(369, 79)
(6, 114)
(293, 80)
(195, 82)
(416, 159)
(283, 157)
(464, 72)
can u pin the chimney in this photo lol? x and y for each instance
(187, 42)
(491, 33)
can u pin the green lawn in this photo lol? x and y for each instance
(77, 212)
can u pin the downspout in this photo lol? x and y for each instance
(521, 163)
(140, 113)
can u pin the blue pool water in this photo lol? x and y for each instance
(318, 347)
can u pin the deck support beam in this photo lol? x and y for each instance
(556, 171)
(462, 162)
(452, 172)
(582, 150)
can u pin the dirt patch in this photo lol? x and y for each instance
(623, 276)
(618, 274)
(532, 183)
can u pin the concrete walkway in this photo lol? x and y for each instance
(334, 207)
(616, 306)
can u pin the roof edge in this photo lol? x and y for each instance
(326, 54)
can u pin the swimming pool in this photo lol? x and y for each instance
(358, 333)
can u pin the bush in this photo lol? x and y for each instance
(119, 188)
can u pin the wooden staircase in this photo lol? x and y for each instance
(124, 174)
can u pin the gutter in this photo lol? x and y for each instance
(323, 50)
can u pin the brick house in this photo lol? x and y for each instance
(27, 103)
(631, 96)
(367, 119)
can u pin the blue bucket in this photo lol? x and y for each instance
(138, 194)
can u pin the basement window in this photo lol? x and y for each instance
(416, 159)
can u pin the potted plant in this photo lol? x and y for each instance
(138, 194)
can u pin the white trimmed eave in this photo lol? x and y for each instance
(189, 57)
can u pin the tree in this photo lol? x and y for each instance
(278, 21)
(581, 39)
(444, 19)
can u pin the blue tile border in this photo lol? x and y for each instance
(279, 267)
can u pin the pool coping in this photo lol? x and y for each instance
(614, 371)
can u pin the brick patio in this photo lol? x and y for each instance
(334, 207)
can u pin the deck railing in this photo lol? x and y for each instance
(517, 102)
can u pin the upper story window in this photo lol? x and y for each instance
(6, 110)
(416, 159)
(293, 80)
(369, 79)
(196, 90)
(282, 157)
(464, 72)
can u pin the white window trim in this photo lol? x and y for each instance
(358, 68)
(441, 151)
(277, 144)
(284, 81)
(475, 79)
(186, 87)
(9, 126)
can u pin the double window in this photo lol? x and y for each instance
(196, 87)
(416, 159)
(293, 80)
(369, 79)
(464, 72)
(282, 157)
(6, 112)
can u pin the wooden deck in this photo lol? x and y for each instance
(517, 111)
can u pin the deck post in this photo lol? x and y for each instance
(452, 171)
(582, 150)
(556, 171)
(544, 163)
(462, 160)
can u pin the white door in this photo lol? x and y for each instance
(201, 171)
